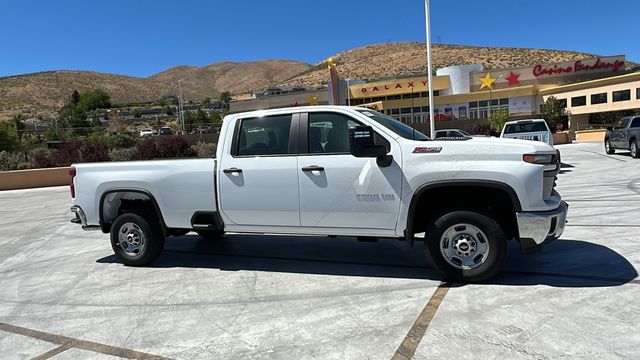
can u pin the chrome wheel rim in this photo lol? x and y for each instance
(131, 239)
(464, 246)
(607, 146)
(634, 149)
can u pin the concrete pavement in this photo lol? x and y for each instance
(310, 297)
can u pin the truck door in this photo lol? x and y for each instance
(337, 189)
(258, 176)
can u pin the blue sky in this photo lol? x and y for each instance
(141, 38)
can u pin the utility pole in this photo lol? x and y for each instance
(432, 124)
(180, 107)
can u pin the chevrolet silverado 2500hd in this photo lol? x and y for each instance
(334, 170)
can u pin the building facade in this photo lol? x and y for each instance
(468, 92)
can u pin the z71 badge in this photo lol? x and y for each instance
(375, 197)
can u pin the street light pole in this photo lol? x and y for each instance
(429, 78)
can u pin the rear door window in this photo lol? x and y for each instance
(635, 123)
(537, 126)
(268, 135)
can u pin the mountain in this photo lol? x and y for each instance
(393, 59)
(43, 92)
(39, 93)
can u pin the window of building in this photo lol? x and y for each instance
(622, 95)
(638, 93)
(406, 96)
(425, 109)
(395, 111)
(267, 135)
(405, 110)
(504, 101)
(600, 98)
(494, 102)
(483, 103)
(448, 111)
(416, 109)
(579, 101)
(394, 97)
(424, 94)
(473, 104)
(462, 112)
(563, 103)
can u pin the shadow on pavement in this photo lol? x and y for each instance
(563, 263)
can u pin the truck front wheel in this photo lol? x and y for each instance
(465, 246)
(135, 240)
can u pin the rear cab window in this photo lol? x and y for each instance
(534, 126)
(261, 136)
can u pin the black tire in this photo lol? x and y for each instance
(633, 149)
(608, 148)
(210, 234)
(130, 225)
(492, 234)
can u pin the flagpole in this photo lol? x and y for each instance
(429, 78)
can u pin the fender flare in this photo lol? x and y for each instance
(408, 232)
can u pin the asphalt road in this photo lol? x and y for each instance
(64, 296)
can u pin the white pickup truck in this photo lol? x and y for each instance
(336, 171)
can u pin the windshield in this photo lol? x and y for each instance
(394, 125)
(525, 127)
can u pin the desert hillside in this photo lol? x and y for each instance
(44, 92)
(392, 59)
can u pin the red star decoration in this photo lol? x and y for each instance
(513, 78)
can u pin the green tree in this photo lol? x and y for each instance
(94, 99)
(201, 117)
(17, 122)
(215, 117)
(136, 113)
(75, 97)
(552, 111)
(9, 140)
(498, 119)
(225, 98)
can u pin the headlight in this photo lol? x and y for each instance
(538, 158)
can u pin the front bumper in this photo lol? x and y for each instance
(82, 219)
(537, 228)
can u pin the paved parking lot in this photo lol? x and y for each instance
(64, 296)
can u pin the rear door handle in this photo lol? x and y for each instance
(312, 168)
(232, 170)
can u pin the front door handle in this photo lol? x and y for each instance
(232, 170)
(312, 168)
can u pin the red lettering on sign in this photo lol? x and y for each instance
(424, 82)
(398, 86)
(363, 90)
(375, 88)
(578, 66)
(410, 84)
(386, 87)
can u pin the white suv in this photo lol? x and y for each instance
(529, 129)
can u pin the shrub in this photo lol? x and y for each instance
(127, 154)
(10, 161)
(174, 146)
(92, 152)
(481, 128)
(147, 150)
(204, 149)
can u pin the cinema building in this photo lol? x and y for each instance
(464, 94)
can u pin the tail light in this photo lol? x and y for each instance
(72, 173)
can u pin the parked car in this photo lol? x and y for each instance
(204, 129)
(451, 134)
(624, 135)
(373, 177)
(146, 132)
(529, 129)
(165, 130)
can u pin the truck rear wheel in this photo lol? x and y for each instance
(465, 246)
(135, 240)
(608, 148)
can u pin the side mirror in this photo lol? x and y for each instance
(362, 143)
